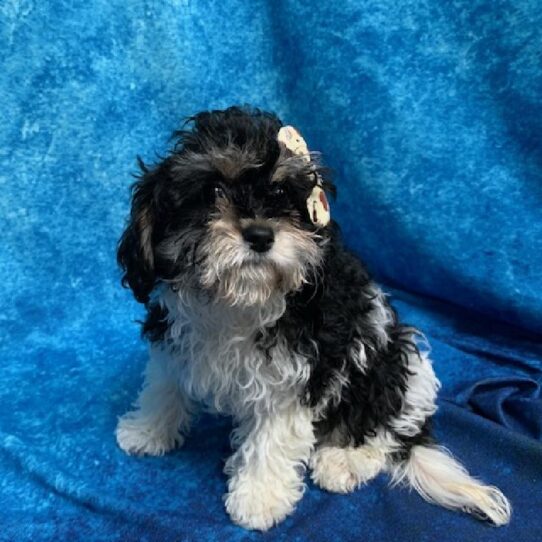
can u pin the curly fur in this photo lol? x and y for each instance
(295, 342)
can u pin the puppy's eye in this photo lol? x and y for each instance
(219, 192)
(277, 191)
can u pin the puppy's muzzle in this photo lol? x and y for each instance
(259, 237)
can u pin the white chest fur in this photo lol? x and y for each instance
(214, 349)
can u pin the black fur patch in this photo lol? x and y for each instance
(156, 323)
(333, 316)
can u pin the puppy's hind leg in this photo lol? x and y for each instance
(162, 412)
(344, 469)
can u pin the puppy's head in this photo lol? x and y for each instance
(226, 213)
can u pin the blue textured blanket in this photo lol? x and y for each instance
(430, 114)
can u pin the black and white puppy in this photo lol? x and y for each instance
(256, 310)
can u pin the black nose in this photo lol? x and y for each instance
(260, 238)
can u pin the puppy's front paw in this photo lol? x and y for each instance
(256, 505)
(137, 435)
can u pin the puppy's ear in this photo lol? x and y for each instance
(135, 253)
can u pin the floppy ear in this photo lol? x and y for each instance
(135, 252)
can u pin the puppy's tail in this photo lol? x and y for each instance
(440, 479)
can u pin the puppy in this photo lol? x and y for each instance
(256, 310)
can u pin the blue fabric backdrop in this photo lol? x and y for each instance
(430, 114)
